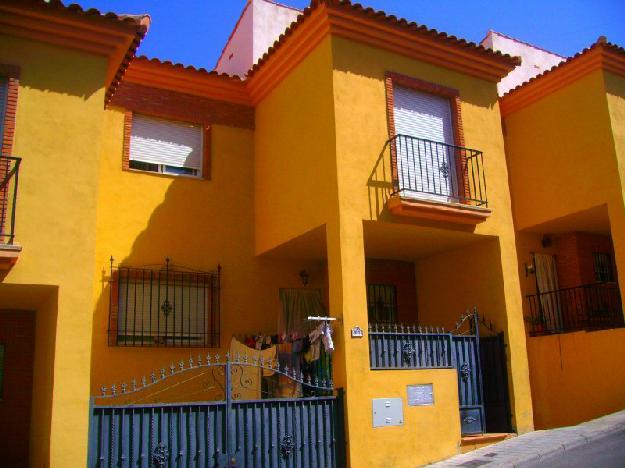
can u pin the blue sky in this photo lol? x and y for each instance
(194, 32)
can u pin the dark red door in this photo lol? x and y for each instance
(17, 349)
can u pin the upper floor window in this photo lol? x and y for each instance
(166, 146)
(602, 263)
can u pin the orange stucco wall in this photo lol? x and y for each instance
(576, 376)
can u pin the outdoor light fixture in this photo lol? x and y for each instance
(530, 269)
(304, 277)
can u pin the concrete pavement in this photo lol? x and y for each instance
(528, 450)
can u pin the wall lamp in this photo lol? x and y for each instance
(304, 276)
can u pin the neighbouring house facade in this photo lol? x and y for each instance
(182, 241)
(564, 143)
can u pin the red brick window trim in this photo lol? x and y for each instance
(396, 79)
(12, 73)
(206, 144)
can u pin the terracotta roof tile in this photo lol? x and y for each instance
(140, 21)
(136, 24)
(601, 42)
(191, 68)
(391, 20)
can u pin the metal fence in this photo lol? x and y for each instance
(165, 307)
(586, 307)
(277, 432)
(395, 346)
(429, 169)
(9, 176)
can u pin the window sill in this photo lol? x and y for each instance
(437, 210)
(165, 175)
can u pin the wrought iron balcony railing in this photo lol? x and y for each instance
(587, 307)
(9, 175)
(426, 169)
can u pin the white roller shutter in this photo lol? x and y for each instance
(422, 115)
(160, 141)
(425, 170)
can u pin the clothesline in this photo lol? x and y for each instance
(323, 319)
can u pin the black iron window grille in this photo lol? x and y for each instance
(382, 303)
(170, 307)
(602, 262)
(437, 171)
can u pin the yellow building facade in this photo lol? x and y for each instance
(564, 148)
(306, 179)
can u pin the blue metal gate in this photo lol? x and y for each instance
(278, 432)
(466, 349)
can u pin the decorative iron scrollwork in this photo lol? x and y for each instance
(160, 455)
(469, 419)
(166, 308)
(444, 169)
(408, 352)
(465, 372)
(287, 446)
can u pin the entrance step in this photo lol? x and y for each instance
(470, 443)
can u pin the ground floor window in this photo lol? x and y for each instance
(164, 307)
(382, 303)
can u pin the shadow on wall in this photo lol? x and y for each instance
(197, 224)
(380, 184)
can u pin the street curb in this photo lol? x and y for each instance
(527, 449)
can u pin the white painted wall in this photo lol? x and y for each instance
(238, 53)
(270, 20)
(259, 26)
(534, 60)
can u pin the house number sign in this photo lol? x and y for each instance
(420, 395)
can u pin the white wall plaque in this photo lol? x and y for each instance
(420, 395)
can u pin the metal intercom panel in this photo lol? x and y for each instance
(388, 412)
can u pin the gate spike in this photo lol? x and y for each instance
(286, 370)
(181, 365)
(199, 360)
(144, 381)
(172, 369)
(208, 359)
(217, 357)
(114, 389)
(308, 381)
(103, 389)
(124, 387)
(301, 376)
(245, 358)
(420, 331)
(153, 377)
(190, 363)
(163, 374)
(134, 385)
(261, 361)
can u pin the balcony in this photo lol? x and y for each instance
(587, 307)
(437, 181)
(9, 251)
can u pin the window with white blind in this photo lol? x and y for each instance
(166, 146)
(425, 155)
